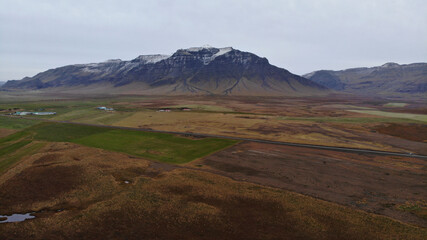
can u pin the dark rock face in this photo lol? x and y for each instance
(204, 70)
(388, 79)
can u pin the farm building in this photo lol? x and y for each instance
(22, 113)
(34, 113)
(44, 113)
(105, 108)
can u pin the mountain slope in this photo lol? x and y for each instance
(204, 70)
(388, 79)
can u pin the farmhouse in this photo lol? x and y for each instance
(105, 108)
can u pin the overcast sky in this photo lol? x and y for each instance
(298, 35)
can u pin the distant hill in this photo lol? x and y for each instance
(2, 83)
(201, 70)
(388, 79)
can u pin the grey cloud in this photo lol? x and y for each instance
(299, 35)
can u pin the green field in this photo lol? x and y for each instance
(410, 116)
(14, 147)
(156, 146)
(92, 115)
(395, 104)
(16, 123)
(61, 132)
(10, 155)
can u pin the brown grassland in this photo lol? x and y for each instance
(6, 132)
(379, 184)
(81, 193)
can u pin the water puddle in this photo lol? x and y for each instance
(16, 217)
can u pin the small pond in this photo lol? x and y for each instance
(16, 217)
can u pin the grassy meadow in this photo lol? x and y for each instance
(155, 146)
(395, 104)
(16, 123)
(14, 147)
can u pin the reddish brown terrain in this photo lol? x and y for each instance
(413, 132)
(85, 193)
(379, 184)
(5, 132)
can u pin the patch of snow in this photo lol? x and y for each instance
(117, 65)
(207, 58)
(222, 51)
(92, 64)
(196, 49)
(309, 75)
(99, 67)
(152, 58)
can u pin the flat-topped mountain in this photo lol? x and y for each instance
(201, 70)
(388, 79)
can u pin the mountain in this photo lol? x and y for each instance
(388, 79)
(201, 70)
(1, 83)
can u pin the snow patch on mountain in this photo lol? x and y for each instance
(210, 55)
(121, 66)
(222, 51)
(147, 59)
(117, 65)
(196, 49)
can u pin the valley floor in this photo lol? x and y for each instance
(87, 182)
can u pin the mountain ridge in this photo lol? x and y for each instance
(198, 70)
(387, 79)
